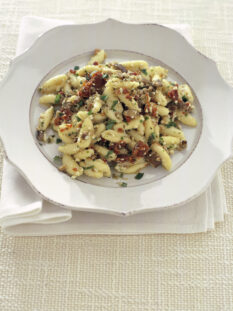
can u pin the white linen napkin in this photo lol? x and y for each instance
(23, 212)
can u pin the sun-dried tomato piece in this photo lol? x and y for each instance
(140, 149)
(94, 84)
(121, 158)
(173, 94)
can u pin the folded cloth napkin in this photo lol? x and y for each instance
(23, 212)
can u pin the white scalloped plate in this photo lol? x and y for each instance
(209, 145)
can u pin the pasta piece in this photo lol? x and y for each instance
(158, 73)
(149, 128)
(71, 167)
(184, 90)
(83, 154)
(45, 119)
(76, 81)
(136, 65)
(110, 96)
(86, 133)
(134, 124)
(98, 129)
(166, 86)
(160, 98)
(69, 148)
(66, 132)
(97, 104)
(131, 104)
(112, 115)
(99, 118)
(186, 119)
(172, 131)
(67, 89)
(164, 156)
(129, 85)
(105, 153)
(112, 136)
(98, 57)
(88, 69)
(170, 140)
(162, 111)
(141, 128)
(129, 168)
(54, 84)
(136, 136)
(47, 100)
(96, 168)
(82, 115)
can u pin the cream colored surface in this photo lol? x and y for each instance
(156, 272)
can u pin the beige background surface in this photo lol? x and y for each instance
(116, 273)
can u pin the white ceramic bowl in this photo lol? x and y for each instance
(58, 50)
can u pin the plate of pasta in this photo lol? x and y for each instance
(107, 128)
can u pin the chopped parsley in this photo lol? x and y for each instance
(110, 124)
(151, 138)
(88, 167)
(141, 121)
(114, 104)
(146, 117)
(76, 67)
(184, 98)
(90, 112)
(87, 76)
(123, 184)
(58, 141)
(161, 141)
(144, 71)
(57, 99)
(121, 175)
(57, 159)
(105, 76)
(139, 176)
(103, 97)
(81, 103)
(108, 154)
(78, 119)
(170, 124)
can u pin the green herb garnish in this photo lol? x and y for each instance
(139, 176)
(146, 117)
(108, 154)
(57, 99)
(78, 119)
(184, 98)
(114, 104)
(81, 103)
(110, 124)
(121, 175)
(170, 124)
(58, 141)
(105, 76)
(57, 159)
(90, 112)
(123, 184)
(76, 67)
(161, 141)
(103, 97)
(144, 71)
(141, 121)
(88, 167)
(151, 138)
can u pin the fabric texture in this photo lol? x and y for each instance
(23, 212)
(121, 273)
